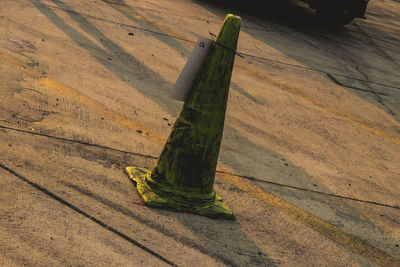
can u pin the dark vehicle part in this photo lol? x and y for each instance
(338, 12)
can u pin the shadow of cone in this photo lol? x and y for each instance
(183, 177)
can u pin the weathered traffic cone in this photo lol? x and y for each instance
(183, 177)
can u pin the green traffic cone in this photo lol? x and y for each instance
(183, 177)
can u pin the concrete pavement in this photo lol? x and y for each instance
(311, 137)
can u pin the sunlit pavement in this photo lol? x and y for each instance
(310, 155)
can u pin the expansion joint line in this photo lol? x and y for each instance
(218, 171)
(85, 214)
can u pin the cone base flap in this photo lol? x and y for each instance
(163, 199)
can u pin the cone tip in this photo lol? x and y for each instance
(232, 18)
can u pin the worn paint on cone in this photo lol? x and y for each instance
(183, 177)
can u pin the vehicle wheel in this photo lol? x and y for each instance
(334, 16)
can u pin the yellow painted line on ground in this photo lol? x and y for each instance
(334, 233)
(352, 242)
(361, 124)
(87, 101)
(109, 114)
